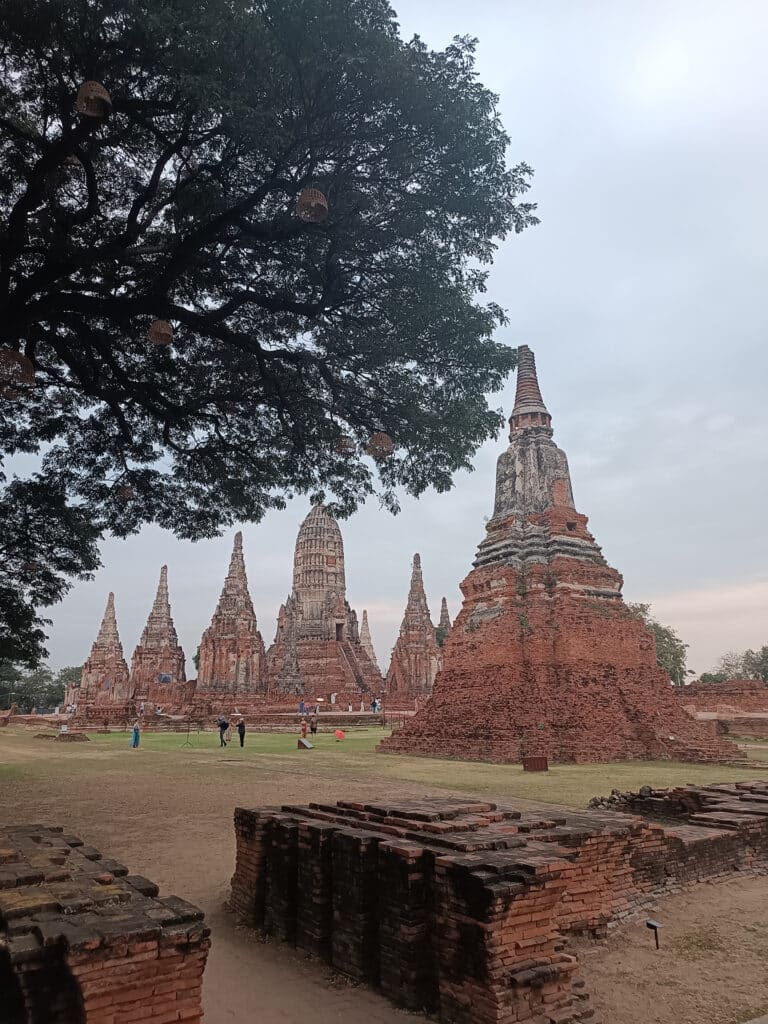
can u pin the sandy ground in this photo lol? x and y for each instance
(168, 815)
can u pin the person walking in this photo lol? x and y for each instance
(241, 731)
(223, 726)
(313, 725)
(135, 735)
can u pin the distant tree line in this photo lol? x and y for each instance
(36, 688)
(747, 664)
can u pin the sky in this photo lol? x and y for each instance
(643, 295)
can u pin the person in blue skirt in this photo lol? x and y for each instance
(135, 736)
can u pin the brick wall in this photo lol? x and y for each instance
(84, 942)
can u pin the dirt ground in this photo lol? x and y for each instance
(166, 812)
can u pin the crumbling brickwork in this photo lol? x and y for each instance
(317, 647)
(232, 658)
(464, 907)
(544, 657)
(104, 678)
(84, 942)
(417, 656)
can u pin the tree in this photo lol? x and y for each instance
(38, 689)
(294, 340)
(712, 677)
(756, 664)
(671, 652)
(731, 665)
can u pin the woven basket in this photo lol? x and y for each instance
(160, 333)
(312, 206)
(380, 446)
(93, 100)
(345, 446)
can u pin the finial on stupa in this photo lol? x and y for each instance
(529, 409)
(365, 640)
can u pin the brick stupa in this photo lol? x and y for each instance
(105, 673)
(317, 648)
(416, 656)
(444, 625)
(157, 666)
(544, 657)
(232, 658)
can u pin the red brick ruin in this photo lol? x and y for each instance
(232, 658)
(105, 673)
(157, 665)
(84, 942)
(466, 908)
(544, 657)
(417, 656)
(317, 648)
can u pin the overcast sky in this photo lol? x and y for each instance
(643, 295)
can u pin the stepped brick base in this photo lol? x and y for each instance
(535, 665)
(463, 908)
(84, 942)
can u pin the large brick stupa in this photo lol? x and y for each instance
(545, 657)
(317, 647)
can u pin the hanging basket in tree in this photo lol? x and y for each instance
(160, 333)
(93, 100)
(125, 493)
(16, 371)
(312, 206)
(345, 446)
(380, 446)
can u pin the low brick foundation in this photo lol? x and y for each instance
(84, 942)
(464, 908)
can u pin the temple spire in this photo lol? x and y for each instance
(108, 634)
(529, 409)
(365, 640)
(160, 630)
(445, 620)
(231, 654)
(417, 599)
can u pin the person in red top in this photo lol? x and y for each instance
(303, 728)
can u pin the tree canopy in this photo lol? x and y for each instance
(294, 338)
(671, 652)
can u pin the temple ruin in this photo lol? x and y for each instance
(366, 642)
(544, 658)
(466, 908)
(232, 658)
(416, 656)
(82, 941)
(157, 666)
(105, 677)
(317, 647)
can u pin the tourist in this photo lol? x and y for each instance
(229, 732)
(223, 726)
(350, 707)
(373, 706)
(362, 707)
(241, 731)
(317, 709)
(303, 728)
(313, 724)
(135, 735)
(141, 708)
(302, 708)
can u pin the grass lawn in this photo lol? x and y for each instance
(274, 754)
